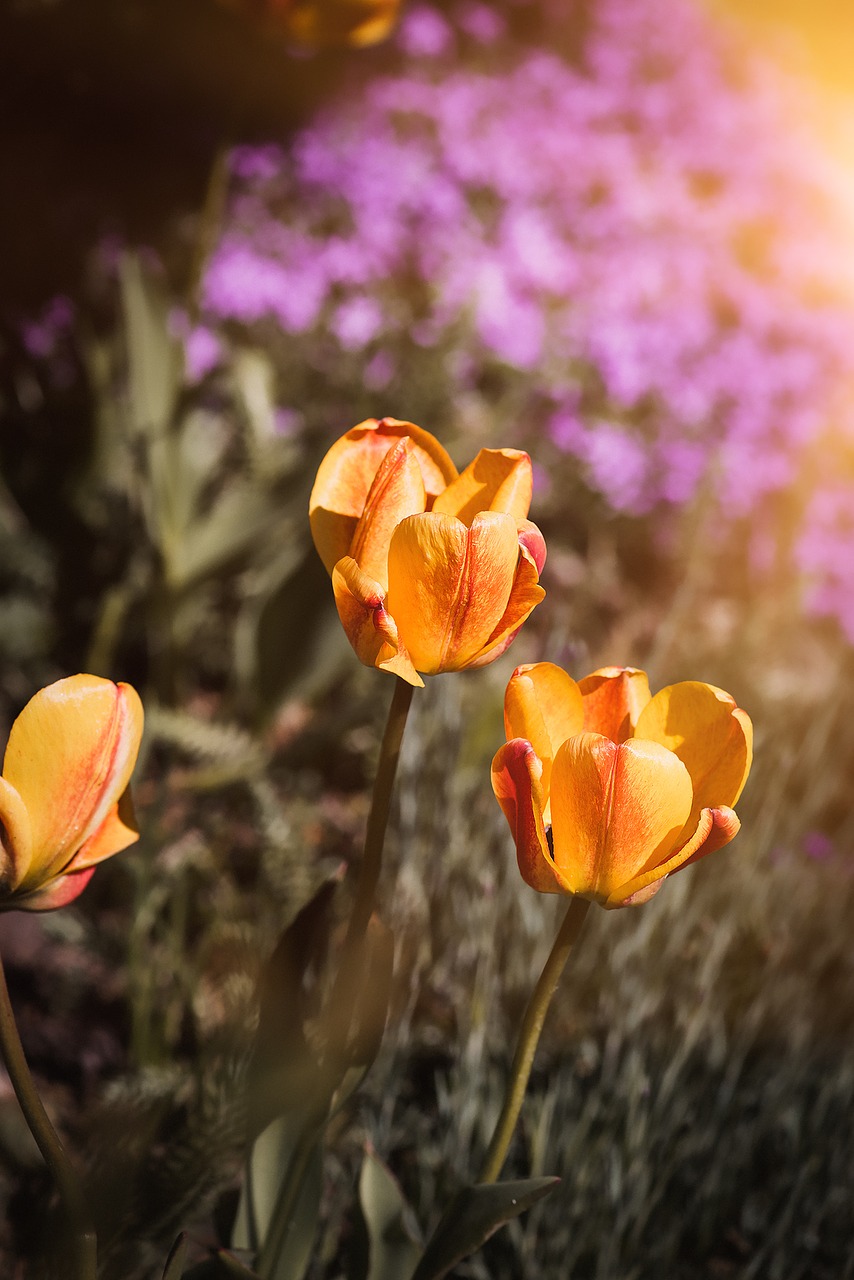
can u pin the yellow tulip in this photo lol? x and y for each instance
(432, 570)
(322, 23)
(64, 799)
(607, 789)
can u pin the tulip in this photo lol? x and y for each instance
(324, 23)
(431, 570)
(64, 799)
(609, 790)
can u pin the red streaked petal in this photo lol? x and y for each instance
(397, 491)
(70, 756)
(517, 783)
(55, 893)
(525, 595)
(369, 627)
(613, 699)
(715, 828)
(345, 476)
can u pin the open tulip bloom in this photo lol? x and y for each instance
(432, 570)
(608, 790)
(64, 799)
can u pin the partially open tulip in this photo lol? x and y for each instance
(608, 790)
(323, 23)
(64, 799)
(432, 570)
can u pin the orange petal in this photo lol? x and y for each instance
(715, 828)
(709, 734)
(345, 476)
(55, 893)
(118, 830)
(397, 491)
(16, 841)
(613, 700)
(449, 586)
(497, 480)
(616, 809)
(544, 705)
(371, 630)
(517, 783)
(525, 595)
(70, 756)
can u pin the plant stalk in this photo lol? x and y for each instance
(529, 1035)
(84, 1246)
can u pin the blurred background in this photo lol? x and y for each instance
(617, 233)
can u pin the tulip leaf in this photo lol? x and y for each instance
(269, 1163)
(471, 1218)
(283, 1071)
(224, 1266)
(154, 357)
(393, 1246)
(174, 1268)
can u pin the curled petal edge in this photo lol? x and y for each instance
(517, 773)
(716, 827)
(368, 625)
(525, 595)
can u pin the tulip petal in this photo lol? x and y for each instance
(616, 809)
(543, 705)
(16, 843)
(497, 480)
(55, 893)
(613, 699)
(709, 733)
(397, 491)
(70, 756)
(517, 782)
(118, 830)
(525, 595)
(533, 542)
(369, 627)
(345, 476)
(449, 586)
(715, 828)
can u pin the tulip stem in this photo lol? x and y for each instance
(372, 858)
(529, 1035)
(84, 1248)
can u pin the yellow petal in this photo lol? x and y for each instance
(543, 705)
(525, 595)
(613, 699)
(616, 810)
(345, 476)
(709, 734)
(715, 828)
(448, 586)
(70, 756)
(517, 782)
(16, 842)
(369, 627)
(497, 480)
(397, 492)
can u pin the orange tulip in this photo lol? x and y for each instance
(321, 23)
(432, 570)
(64, 798)
(608, 790)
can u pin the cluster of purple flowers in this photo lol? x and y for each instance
(621, 214)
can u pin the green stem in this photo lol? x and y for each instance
(84, 1247)
(372, 858)
(529, 1035)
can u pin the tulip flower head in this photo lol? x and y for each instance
(432, 570)
(64, 798)
(609, 790)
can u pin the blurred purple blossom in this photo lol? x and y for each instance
(643, 233)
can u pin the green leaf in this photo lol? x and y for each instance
(270, 1161)
(472, 1217)
(154, 357)
(393, 1246)
(174, 1268)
